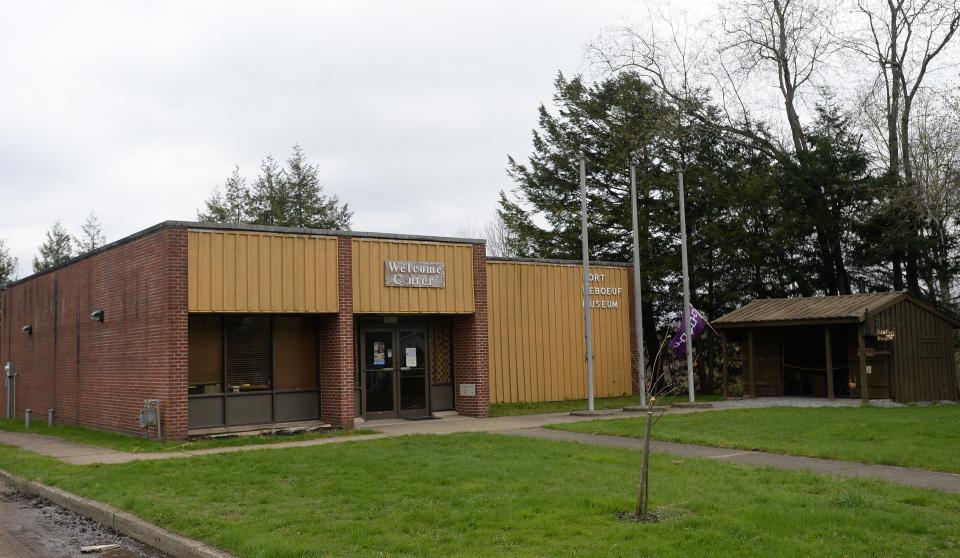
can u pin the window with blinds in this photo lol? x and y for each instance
(295, 352)
(205, 354)
(248, 358)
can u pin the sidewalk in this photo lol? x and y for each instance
(521, 425)
(906, 476)
(83, 454)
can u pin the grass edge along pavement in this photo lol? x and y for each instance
(923, 437)
(600, 403)
(134, 444)
(122, 522)
(490, 495)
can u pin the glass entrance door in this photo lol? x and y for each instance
(378, 373)
(412, 364)
(394, 372)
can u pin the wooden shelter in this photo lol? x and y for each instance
(872, 346)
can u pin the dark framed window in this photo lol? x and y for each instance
(205, 350)
(295, 352)
(248, 353)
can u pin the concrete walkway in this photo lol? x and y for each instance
(921, 478)
(83, 454)
(523, 425)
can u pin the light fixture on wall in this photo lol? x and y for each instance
(28, 329)
(97, 315)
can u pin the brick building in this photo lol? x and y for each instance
(232, 326)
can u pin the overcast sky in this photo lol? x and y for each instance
(137, 110)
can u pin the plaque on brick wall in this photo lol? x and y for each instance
(468, 390)
(414, 274)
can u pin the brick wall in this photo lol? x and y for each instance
(470, 352)
(99, 374)
(337, 399)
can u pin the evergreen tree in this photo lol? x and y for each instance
(55, 250)
(8, 265)
(91, 235)
(269, 198)
(309, 206)
(229, 206)
(291, 197)
(742, 243)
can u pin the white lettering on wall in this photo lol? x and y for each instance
(601, 291)
(414, 274)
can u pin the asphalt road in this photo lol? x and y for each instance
(31, 527)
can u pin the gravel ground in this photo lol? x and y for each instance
(758, 402)
(31, 527)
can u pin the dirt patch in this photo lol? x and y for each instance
(642, 518)
(662, 513)
(34, 527)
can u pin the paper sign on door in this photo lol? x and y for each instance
(411, 357)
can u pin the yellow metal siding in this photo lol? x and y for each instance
(371, 296)
(253, 272)
(536, 333)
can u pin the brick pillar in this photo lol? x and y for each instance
(174, 407)
(634, 348)
(337, 402)
(470, 346)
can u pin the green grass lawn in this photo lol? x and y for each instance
(492, 495)
(913, 436)
(510, 409)
(122, 442)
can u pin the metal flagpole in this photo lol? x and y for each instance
(587, 309)
(688, 329)
(637, 296)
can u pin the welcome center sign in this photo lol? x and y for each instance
(414, 274)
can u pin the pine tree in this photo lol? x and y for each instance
(8, 265)
(91, 235)
(55, 250)
(309, 206)
(229, 206)
(740, 245)
(269, 200)
(290, 197)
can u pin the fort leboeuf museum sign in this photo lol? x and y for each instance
(413, 274)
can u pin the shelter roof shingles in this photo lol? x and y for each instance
(786, 310)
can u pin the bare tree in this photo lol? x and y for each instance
(904, 39)
(496, 234)
(789, 40)
(935, 160)
(784, 42)
(662, 387)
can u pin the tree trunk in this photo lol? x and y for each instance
(643, 492)
(897, 274)
(913, 265)
(828, 277)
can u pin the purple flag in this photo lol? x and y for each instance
(679, 342)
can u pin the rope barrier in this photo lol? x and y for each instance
(798, 367)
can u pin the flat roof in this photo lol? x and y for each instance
(556, 261)
(245, 227)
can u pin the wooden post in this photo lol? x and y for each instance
(828, 345)
(723, 357)
(862, 353)
(753, 383)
